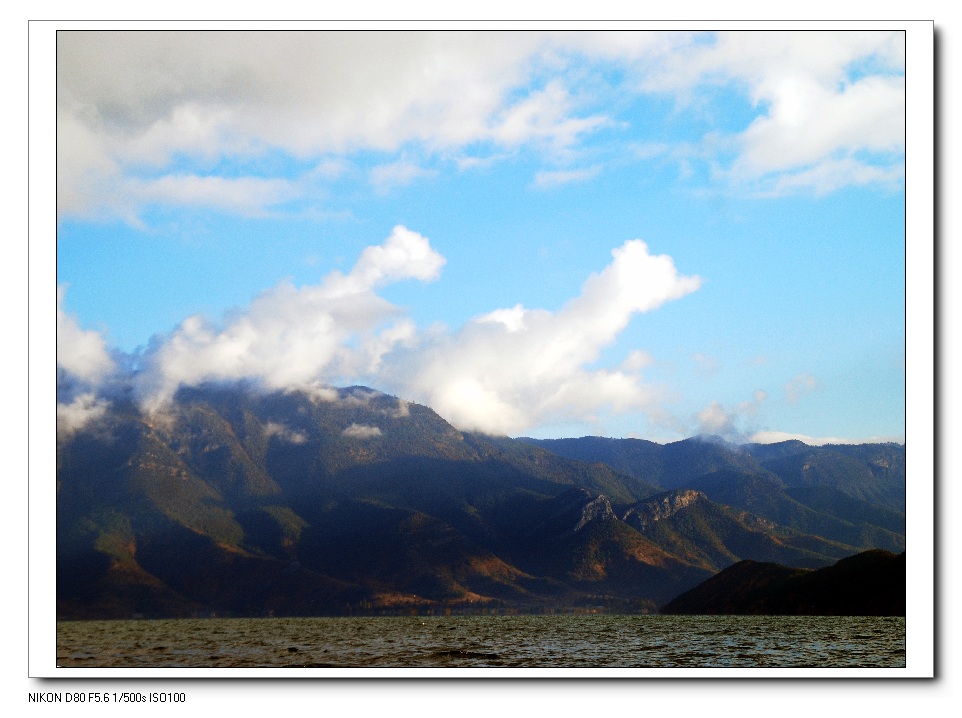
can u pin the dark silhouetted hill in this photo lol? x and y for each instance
(871, 583)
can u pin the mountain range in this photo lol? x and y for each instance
(234, 501)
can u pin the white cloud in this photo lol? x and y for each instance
(637, 360)
(512, 319)
(273, 428)
(78, 413)
(716, 420)
(132, 105)
(298, 337)
(127, 101)
(809, 123)
(189, 127)
(647, 150)
(642, 47)
(86, 172)
(81, 354)
(706, 364)
(831, 174)
(397, 174)
(799, 386)
(246, 196)
(503, 372)
(773, 437)
(543, 117)
(820, 116)
(751, 407)
(361, 431)
(512, 369)
(553, 178)
(404, 255)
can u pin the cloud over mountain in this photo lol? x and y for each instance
(81, 353)
(83, 363)
(297, 338)
(208, 175)
(506, 371)
(515, 368)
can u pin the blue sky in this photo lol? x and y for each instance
(622, 234)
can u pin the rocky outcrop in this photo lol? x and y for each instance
(598, 509)
(643, 514)
(569, 513)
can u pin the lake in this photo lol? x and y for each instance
(569, 641)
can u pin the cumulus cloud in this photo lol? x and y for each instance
(81, 354)
(291, 337)
(503, 372)
(131, 105)
(830, 105)
(810, 122)
(511, 369)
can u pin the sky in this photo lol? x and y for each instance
(627, 234)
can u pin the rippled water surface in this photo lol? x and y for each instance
(488, 641)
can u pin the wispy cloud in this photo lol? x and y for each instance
(799, 386)
(553, 178)
(544, 117)
(79, 412)
(706, 364)
(272, 428)
(716, 419)
(361, 431)
(397, 174)
(833, 174)
(244, 196)
(773, 437)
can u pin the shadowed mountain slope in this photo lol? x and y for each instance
(871, 583)
(238, 502)
(851, 495)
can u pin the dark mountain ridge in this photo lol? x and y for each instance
(238, 502)
(871, 583)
